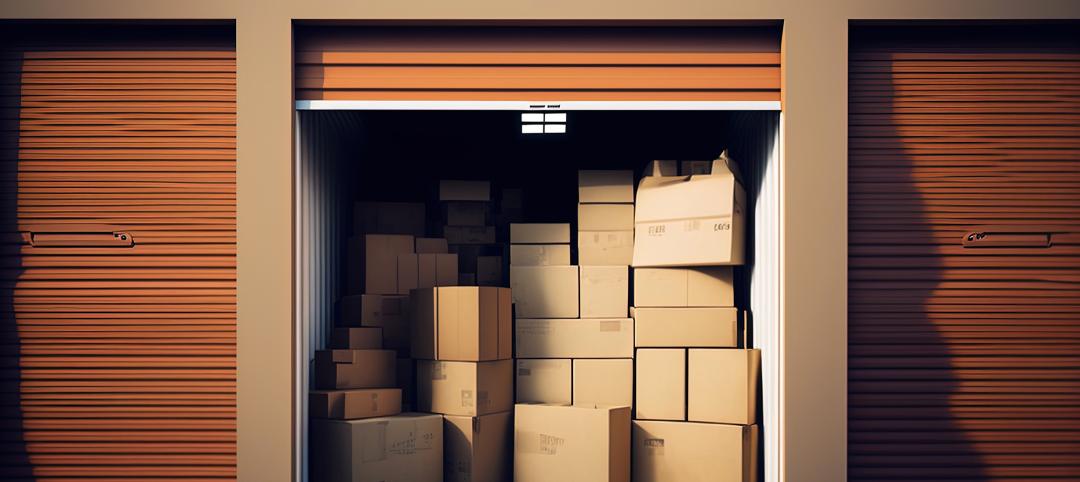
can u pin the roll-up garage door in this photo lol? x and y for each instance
(964, 253)
(119, 211)
(568, 63)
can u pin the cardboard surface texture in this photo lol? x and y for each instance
(469, 234)
(539, 254)
(605, 217)
(337, 369)
(605, 248)
(556, 443)
(660, 385)
(694, 220)
(402, 448)
(461, 323)
(686, 327)
(694, 452)
(431, 246)
(543, 381)
(539, 233)
(453, 190)
(389, 218)
(380, 262)
(363, 338)
(477, 449)
(604, 382)
(436, 269)
(574, 338)
(465, 388)
(545, 291)
(722, 386)
(605, 186)
(675, 287)
(354, 404)
(605, 291)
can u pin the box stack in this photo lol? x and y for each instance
(469, 227)
(461, 338)
(696, 389)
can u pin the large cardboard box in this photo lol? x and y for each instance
(574, 338)
(675, 287)
(402, 448)
(462, 323)
(464, 213)
(539, 233)
(454, 190)
(722, 385)
(694, 452)
(354, 404)
(539, 254)
(605, 291)
(432, 246)
(362, 338)
(545, 291)
(556, 443)
(605, 217)
(469, 234)
(686, 327)
(337, 369)
(544, 381)
(436, 269)
(477, 449)
(604, 382)
(389, 218)
(605, 186)
(380, 262)
(660, 384)
(694, 220)
(465, 388)
(605, 248)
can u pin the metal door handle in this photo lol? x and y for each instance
(76, 236)
(1008, 239)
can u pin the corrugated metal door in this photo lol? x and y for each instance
(537, 64)
(964, 253)
(119, 277)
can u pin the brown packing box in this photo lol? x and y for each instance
(686, 327)
(690, 452)
(402, 448)
(694, 220)
(464, 388)
(605, 291)
(363, 338)
(660, 385)
(370, 310)
(574, 338)
(477, 449)
(453, 190)
(605, 248)
(406, 381)
(381, 262)
(545, 291)
(604, 382)
(675, 287)
(389, 218)
(436, 269)
(605, 217)
(408, 267)
(462, 323)
(722, 385)
(336, 369)
(539, 254)
(540, 233)
(464, 213)
(469, 234)
(544, 381)
(489, 271)
(431, 246)
(557, 443)
(605, 186)
(354, 404)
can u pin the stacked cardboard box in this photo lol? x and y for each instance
(469, 226)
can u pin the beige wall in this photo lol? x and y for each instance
(813, 180)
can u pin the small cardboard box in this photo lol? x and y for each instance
(436, 269)
(604, 382)
(354, 404)
(605, 291)
(660, 384)
(539, 254)
(605, 248)
(431, 246)
(605, 186)
(722, 385)
(402, 448)
(464, 388)
(694, 220)
(677, 287)
(556, 443)
(540, 233)
(363, 338)
(469, 234)
(462, 323)
(669, 451)
(389, 218)
(544, 381)
(337, 369)
(477, 449)
(545, 291)
(489, 271)
(463, 213)
(575, 338)
(381, 262)
(686, 327)
(605, 217)
(452, 190)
